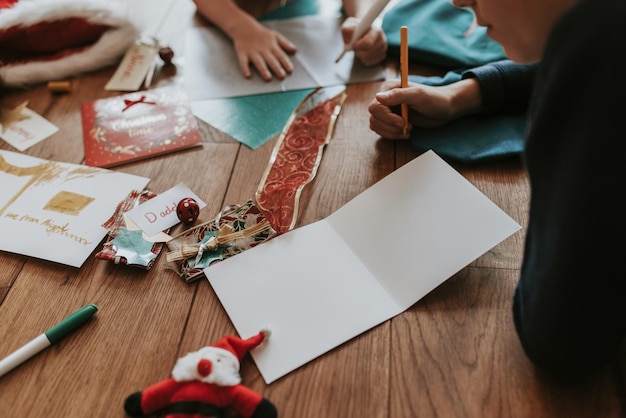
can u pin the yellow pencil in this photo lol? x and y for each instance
(404, 72)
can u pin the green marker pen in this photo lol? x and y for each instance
(48, 338)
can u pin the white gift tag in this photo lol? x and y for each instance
(27, 130)
(159, 213)
(133, 69)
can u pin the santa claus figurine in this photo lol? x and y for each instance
(205, 383)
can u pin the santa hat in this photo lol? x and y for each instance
(229, 351)
(45, 40)
(240, 347)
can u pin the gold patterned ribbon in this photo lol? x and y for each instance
(297, 155)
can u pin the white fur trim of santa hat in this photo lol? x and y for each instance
(224, 367)
(110, 46)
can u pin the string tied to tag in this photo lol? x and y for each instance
(225, 235)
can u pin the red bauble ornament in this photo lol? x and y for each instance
(188, 210)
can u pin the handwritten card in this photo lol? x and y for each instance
(320, 285)
(55, 211)
(27, 130)
(159, 213)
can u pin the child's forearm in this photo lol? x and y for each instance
(466, 97)
(357, 8)
(225, 14)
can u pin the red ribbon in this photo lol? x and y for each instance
(295, 160)
(130, 103)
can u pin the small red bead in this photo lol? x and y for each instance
(167, 54)
(188, 210)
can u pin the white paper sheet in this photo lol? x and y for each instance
(318, 286)
(55, 211)
(212, 70)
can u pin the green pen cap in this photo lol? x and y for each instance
(70, 323)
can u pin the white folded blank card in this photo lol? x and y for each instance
(320, 285)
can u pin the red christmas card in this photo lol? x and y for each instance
(138, 125)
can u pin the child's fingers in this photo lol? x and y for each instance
(283, 60)
(385, 130)
(244, 65)
(392, 97)
(384, 121)
(275, 66)
(261, 66)
(287, 46)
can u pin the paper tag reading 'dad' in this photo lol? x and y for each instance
(132, 226)
(133, 69)
(159, 213)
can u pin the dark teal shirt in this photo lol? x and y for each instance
(570, 303)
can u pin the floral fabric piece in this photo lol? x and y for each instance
(126, 244)
(245, 227)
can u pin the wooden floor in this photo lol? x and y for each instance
(453, 354)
